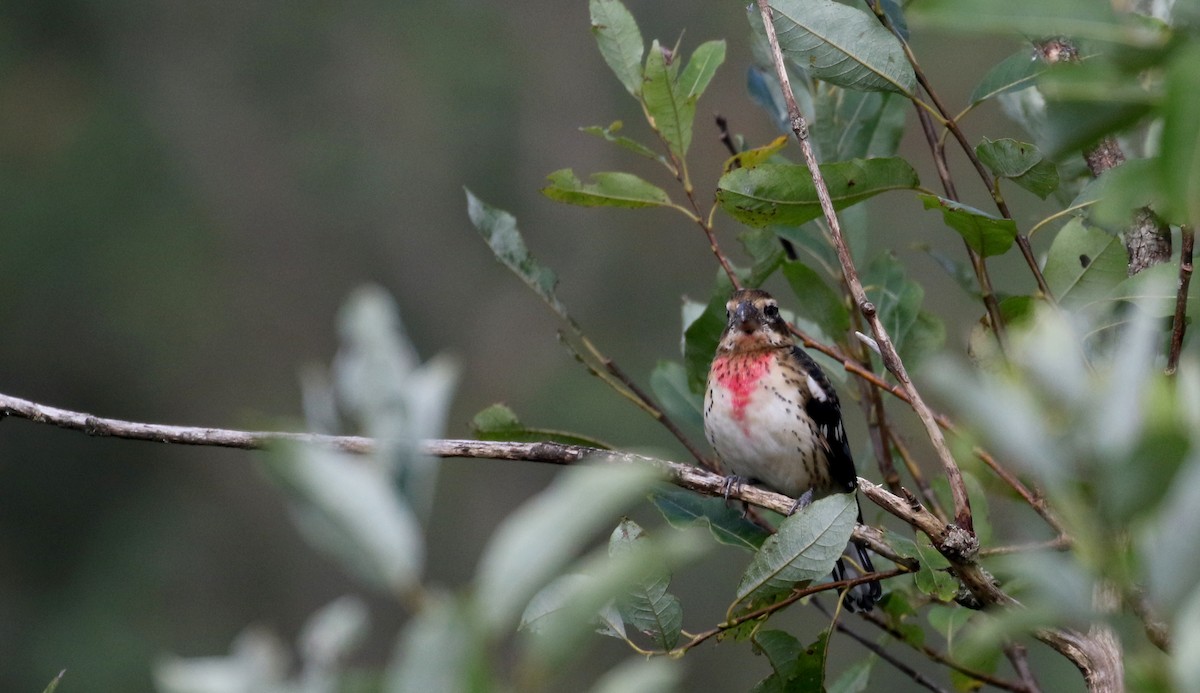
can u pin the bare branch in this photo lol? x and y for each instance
(891, 359)
(1179, 323)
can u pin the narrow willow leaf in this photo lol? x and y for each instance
(1017, 71)
(728, 525)
(499, 230)
(897, 298)
(348, 508)
(561, 636)
(1084, 265)
(840, 44)
(620, 42)
(795, 667)
(805, 548)
(1155, 289)
(1180, 141)
(754, 157)
(537, 540)
(647, 605)
(53, 685)
(853, 125)
(700, 69)
(654, 675)
(986, 234)
(559, 595)
(669, 115)
(855, 678)
(701, 336)
(607, 190)
(818, 302)
(669, 383)
(784, 193)
(764, 248)
(932, 578)
(610, 134)
(498, 422)
(1020, 162)
(440, 649)
(1078, 19)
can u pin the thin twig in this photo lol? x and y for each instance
(1056, 544)
(1179, 323)
(957, 546)
(792, 598)
(987, 293)
(891, 359)
(952, 125)
(1018, 656)
(917, 677)
(939, 657)
(919, 479)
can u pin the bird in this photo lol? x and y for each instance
(773, 418)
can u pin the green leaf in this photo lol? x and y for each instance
(53, 685)
(558, 595)
(498, 422)
(700, 69)
(784, 193)
(669, 383)
(499, 230)
(647, 605)
(1180, 140)
(840, 44)
(439, 650)
(805, 548)
(701, 336)
(818, 302)
(1075, 18)
(393, 398)
(855, 678)
(1155, 289)
(620, 42)
(684, 508)
(1020, 162)
(757, 156)
(1084, 265)
(932, 579)
(1017, 71)
(897, 299)
(654, 675)
(347, 507)
(540, 537)
(607, 190)
(794, 667)
(670, 102)
(1086, 101)
(610, 134)
(764, 248)
(986, 234)
(561, 636)
(854, 124)
(333, 634)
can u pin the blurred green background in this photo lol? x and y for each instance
(190, 191)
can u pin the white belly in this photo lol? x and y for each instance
(767, 436)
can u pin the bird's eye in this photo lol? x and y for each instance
(771, 311)
(727, 314)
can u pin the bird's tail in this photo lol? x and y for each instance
(863, 595)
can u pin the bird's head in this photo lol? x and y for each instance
(753, 322)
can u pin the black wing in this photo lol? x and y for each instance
(826, 413)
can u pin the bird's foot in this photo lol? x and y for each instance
(732, 482)
(802, 502)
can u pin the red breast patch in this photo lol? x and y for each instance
(739, 375)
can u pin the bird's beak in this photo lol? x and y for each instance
(745, 317)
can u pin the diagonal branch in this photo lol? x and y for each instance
(891, 359)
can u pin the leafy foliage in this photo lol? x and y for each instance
(1072, 398)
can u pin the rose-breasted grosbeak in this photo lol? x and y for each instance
(773, 418)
